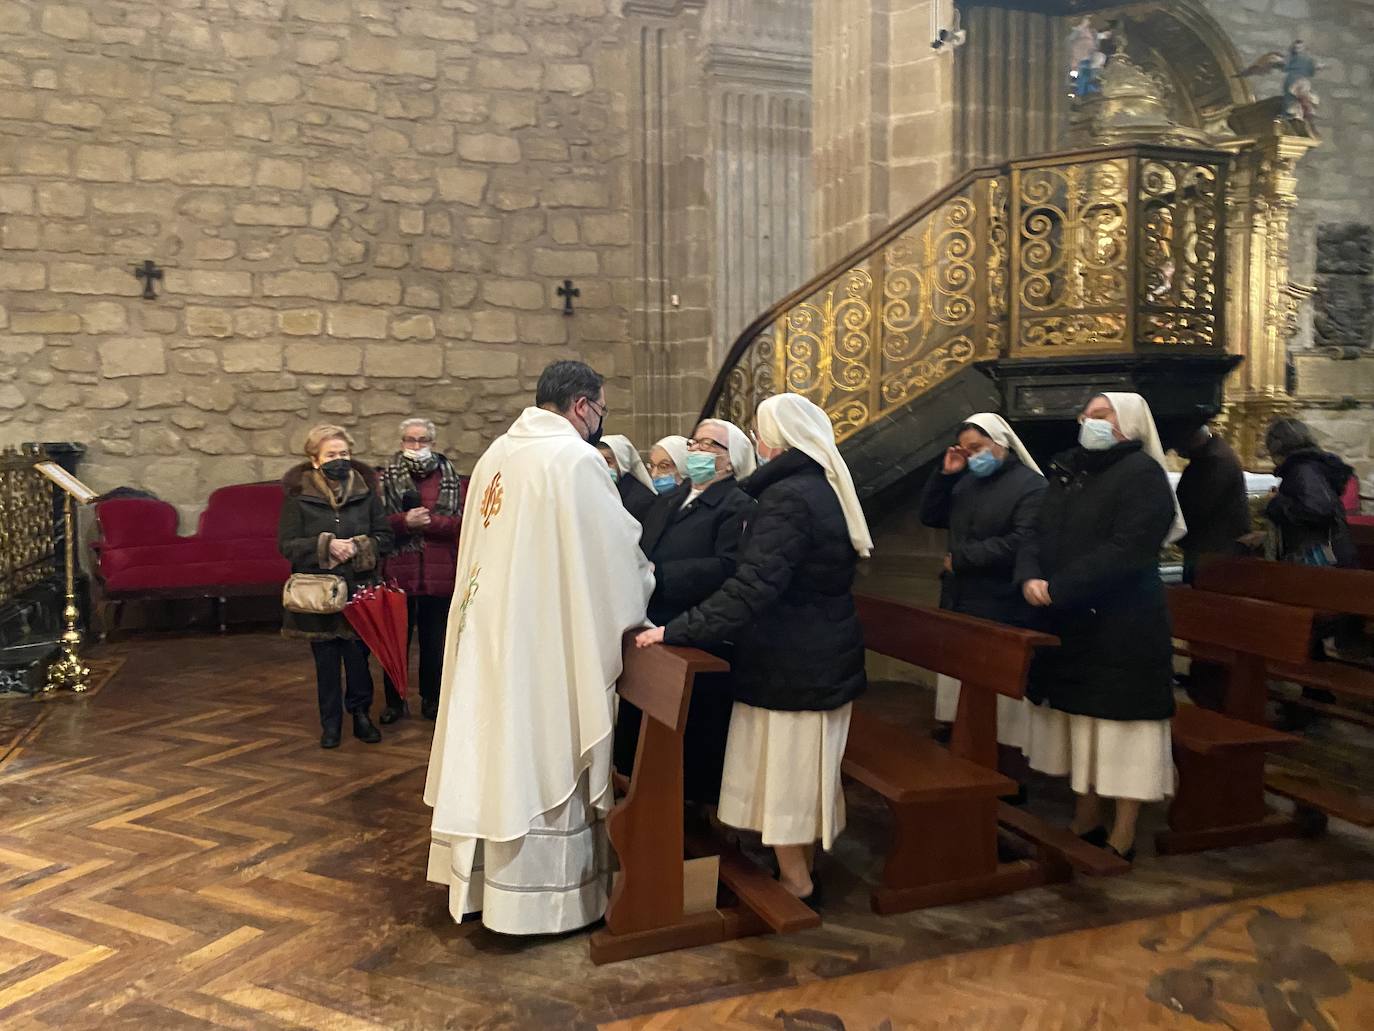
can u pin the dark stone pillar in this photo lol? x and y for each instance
(1344, 318)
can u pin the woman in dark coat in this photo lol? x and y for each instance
(1306, 508)
(799, 651)
(1106, 693)
(987, 494)
(692, 536)
(332, 522)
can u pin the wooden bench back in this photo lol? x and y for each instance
(1315, 587)
(1362, 533)
(658, 680)
(1264, 629)
(989, 655)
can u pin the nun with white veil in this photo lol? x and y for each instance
(632, 480)
(1106, 693)
(987, 495)
(692, 537)
(799, 651)
(668, 463)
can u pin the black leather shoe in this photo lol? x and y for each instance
(1128, 855)
(429, 710)
(364, 730)
(1097, 837)
(330, 738)
(392, 713)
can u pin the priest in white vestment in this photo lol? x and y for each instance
(550, 576)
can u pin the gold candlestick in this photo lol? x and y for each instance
(69, 671)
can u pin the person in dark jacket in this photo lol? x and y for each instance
(799, 649)
(1306, 508)
(632, 481)
(987, 495)
(422, 495)
(1310, 527)
(1211, 496)
(332, 522)
(692, 536)
(1093, 566)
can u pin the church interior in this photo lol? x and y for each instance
(224, 222)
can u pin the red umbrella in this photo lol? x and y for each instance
(378, 614)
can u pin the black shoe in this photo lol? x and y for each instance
(1097, 837)
(816, 899)
(330, 738)
(364, 730)
(1128, 855)
(941, 733)
(429, 710)
(392, 713)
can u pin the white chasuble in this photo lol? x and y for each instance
(550, 576)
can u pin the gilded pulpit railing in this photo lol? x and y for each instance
(1114, 250)
(26, 523)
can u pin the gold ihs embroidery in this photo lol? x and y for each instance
(491, 500)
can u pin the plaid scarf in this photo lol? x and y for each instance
(397, 479)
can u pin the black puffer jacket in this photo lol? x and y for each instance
(789, 608)
(1102, 523)
(1307, 509)
(309, 522)
(989, 520)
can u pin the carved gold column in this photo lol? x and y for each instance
(1264, 302)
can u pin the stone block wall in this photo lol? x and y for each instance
(364, 208)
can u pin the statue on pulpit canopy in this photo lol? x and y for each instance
(1299, 67)
(1087, 59)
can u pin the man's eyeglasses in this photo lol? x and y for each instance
(417, 440)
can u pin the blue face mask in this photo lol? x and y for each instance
(615, 474)
(984, 463)
(701, 467)
(663, 484)
(1097, 435)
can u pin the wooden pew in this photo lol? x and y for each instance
(1220, 756)
(1362, 533)
(944, 803)
(645, 914)
(1346, 590)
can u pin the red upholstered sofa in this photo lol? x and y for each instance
(139, 555)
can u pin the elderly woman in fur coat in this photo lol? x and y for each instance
(332, 521)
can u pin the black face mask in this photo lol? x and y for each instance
(594, 437)
(337, 469)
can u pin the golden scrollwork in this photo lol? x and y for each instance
(26, 523)
(1178, 277)
(1087, 253)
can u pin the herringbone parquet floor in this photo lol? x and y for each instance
(177, 852)
(1294, 961)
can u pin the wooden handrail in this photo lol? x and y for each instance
(922, 210)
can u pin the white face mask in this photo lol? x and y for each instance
(1097, 435)
(421, 454)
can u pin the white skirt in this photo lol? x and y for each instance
(1131, 759)
(554, 879)
(1012, 715)
(782, 774)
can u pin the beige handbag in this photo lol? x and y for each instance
(314, 594)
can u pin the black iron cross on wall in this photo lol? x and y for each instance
(148, 272)
(567, 291)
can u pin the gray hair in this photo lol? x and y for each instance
(1286, 436)
(413, 421)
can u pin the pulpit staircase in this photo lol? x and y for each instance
(1019, 288)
